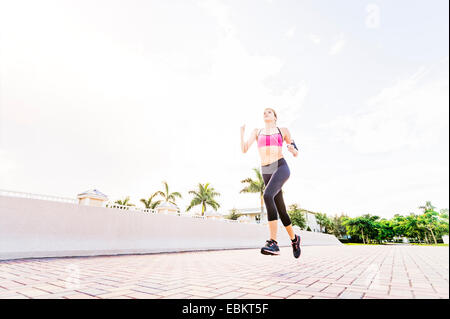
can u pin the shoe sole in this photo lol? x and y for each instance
(266, 252)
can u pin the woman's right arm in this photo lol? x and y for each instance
(246, 145)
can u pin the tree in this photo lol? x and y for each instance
(372, 227)
(255, 186)
(329, 225)
(427, 207)
(338, 229)
(363, 227)
(428, 226)
(320, 219)
(412, 227)
(297, 217)
(430, 221)
(234, 215)
(398, 222)
(443, 222)
(323, 221)
(204, 196)
(124, 202)
(355, 227)
(149, 203)
(168, 196)
(385, 230)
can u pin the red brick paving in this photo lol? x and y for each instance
(354, 272)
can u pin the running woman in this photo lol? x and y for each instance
(275, 172)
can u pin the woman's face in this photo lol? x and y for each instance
(269, 116)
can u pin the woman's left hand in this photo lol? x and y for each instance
(292, 149)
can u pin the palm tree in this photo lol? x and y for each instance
(149, 203)
(255, 186)
(427, 207)
(124, 202)
(204, 196)
(337, 228)
(322, 220)
(234, 215)
(168, 196)
(355, 226)
(297, 217)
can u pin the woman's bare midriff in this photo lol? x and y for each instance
(270, 154)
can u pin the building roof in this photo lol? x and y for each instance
(93, 193)
(213, 213)
(307, 211)
(167, 205)
(241, 210)
(247, 211)
(244, 217)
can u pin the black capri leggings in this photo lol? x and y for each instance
(275, 175)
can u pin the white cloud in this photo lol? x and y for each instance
(220, 12)
(412, 113)
(290, 33)
(314, 38)
(121, 106)
(102, 114)
(384, 191)
(405, 127)
(338, 45)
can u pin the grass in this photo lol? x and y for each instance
(357, 244)
(443, 245)
(361, 244)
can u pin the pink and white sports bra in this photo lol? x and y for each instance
(270, 140)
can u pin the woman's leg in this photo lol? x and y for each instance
(273, 227)
(284, 216)
(290, 231)
(287, 223)
(273, 187)
(273, 223)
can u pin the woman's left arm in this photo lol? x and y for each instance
(288, 140)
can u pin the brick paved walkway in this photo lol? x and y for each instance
(321, 272)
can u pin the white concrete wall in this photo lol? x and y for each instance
(41, 228)
(311, 221)
(445, 239)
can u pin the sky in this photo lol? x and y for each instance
(122, 95)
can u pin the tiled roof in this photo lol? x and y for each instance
(213, 213)
(167, 204)
(94, 193)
